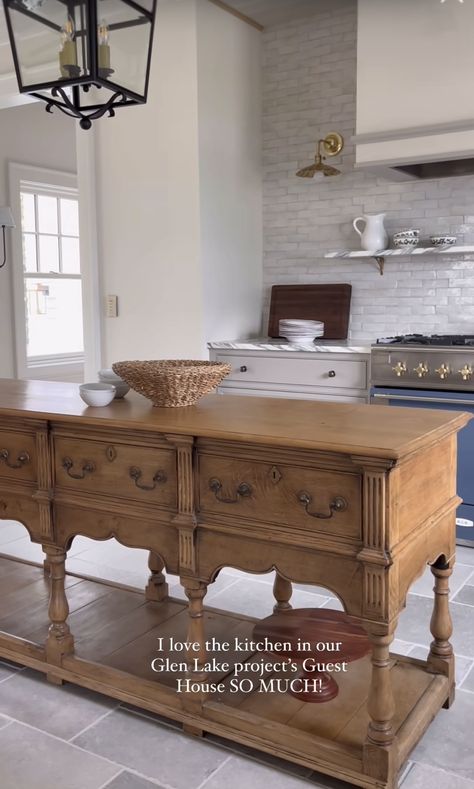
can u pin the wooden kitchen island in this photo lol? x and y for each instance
(350, 497)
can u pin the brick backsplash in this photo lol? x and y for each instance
(309, 90)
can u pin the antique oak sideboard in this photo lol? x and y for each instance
(350, 497)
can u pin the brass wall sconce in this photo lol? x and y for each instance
(331, 145)
(6, 220)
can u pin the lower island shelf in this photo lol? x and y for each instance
(116, 632)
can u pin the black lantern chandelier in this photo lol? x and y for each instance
(85, 57)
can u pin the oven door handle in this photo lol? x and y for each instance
(408, 399)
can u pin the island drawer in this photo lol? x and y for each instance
(324, 372)
(299, 497)
(123, 470)
(17, 456)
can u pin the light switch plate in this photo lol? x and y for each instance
(111, 306)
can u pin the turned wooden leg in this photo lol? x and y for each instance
(46, 568)
(379, 755)
(157, 588)
(196, 658)
(282, 591)
(60, 641)
(441, 656)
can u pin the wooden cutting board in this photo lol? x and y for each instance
(327, 303)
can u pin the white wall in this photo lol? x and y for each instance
(179, 240)
(148, 204)
(28, 135)
(230, 170)
(309, 90)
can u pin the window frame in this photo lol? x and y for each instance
(37, 180)
(57, 194)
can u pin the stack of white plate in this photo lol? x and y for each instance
(300, 331)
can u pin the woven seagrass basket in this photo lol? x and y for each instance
(170, 383)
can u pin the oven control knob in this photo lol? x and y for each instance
(400, 369)
(421, 370)
(443, 371)
(466, 372)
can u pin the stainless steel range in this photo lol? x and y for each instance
(435, 371)
(425, 362)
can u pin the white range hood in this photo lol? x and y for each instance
(415, 87)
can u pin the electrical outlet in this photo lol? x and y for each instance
(111, 306)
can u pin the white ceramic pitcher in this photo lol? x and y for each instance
(374, 236)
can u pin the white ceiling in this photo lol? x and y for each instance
(266, 12)
(277, 12)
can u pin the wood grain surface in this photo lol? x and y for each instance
(335, 427)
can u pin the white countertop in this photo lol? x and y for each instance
(269, 344)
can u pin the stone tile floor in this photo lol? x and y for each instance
(96, 743)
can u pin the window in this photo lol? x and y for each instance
(52, 339)
(52, 275)
(56, 298)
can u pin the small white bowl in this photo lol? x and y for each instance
(407, 243)
(97, 394)
(109, 373)
(443, 241)
(406, 234)
(108, 376)
(121, 388)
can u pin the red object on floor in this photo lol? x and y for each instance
(334, 636)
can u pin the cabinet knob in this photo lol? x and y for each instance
(443, 371)
(243, 369)
(331, 374)
(466, 372)
(421, 370)
(400, 369)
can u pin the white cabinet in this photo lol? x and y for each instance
(341, 377)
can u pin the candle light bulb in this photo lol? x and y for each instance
(104, 49)
(68, 31)
(103, 33)
(68, 52)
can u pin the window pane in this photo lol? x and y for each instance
(28, 219)
(29, 252)
(54, 316)
(127, 49)
(48, 253)
(47, 214)
(70, 256)
(69, 217)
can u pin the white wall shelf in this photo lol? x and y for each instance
(380, 255)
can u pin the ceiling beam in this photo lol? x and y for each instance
(238, 14)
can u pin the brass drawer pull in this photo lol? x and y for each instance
(242, 491)
(136, 475)
(337, 505)
(87, 468)
(22, 459)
